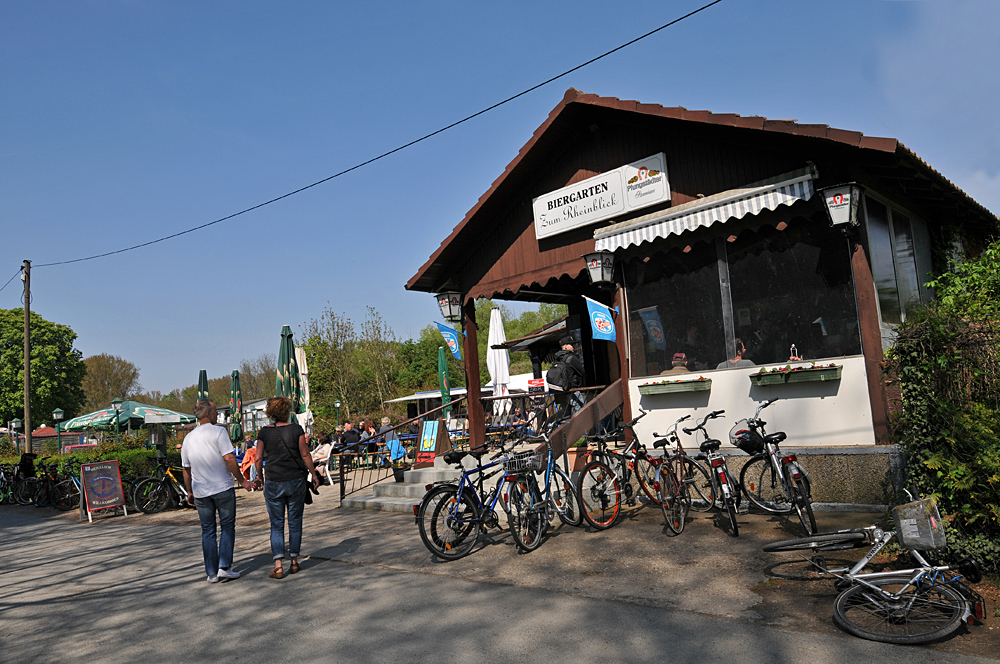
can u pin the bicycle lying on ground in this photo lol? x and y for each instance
(774, 483)
(906, 606)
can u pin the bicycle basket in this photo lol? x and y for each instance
(919, 526)
(746, 438)
(522, 462)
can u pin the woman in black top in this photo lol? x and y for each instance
(286, 449)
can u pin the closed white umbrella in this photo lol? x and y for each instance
(498, 363)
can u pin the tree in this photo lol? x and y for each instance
(329, 343)
(109, 377)
(57, 368)
(257, 376)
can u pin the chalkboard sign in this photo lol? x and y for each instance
(102, 485)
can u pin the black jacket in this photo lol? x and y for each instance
(574, 365)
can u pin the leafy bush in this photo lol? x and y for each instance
(7, 448)
(947, 361)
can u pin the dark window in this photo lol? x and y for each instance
(677, 293)
(789, 284)
(793, 287)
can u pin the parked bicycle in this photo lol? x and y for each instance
(531, 506)
(774, 483)
(907, 606)
(682, 483)
(724, 487)
(611, 478)
(154, 494)
(453, 514)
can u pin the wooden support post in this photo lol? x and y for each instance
(871, 340)
(621, 341)
(474, 407)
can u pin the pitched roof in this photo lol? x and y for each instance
(908, 168)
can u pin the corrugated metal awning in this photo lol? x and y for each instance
(753, 198)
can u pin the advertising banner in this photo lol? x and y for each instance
(654, 328)
(602, 324)
(451, 339)
(102, 485)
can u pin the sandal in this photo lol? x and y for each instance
(277, 573)
(294, 568)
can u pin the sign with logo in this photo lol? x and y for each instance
(631, 187)
(450, 337)
(536, 385)
(102, 485)
(654, 327)
(602, 326)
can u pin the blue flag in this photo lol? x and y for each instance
(601, 322)
(654, 328)
(451, 338)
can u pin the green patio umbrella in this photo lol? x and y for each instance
(286, 383)
(235, 408)
(443, 377)
(133, 414)
(202, 385)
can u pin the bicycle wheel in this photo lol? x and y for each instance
(762, 486)
(528, 521)
(41, 496)
(645, 473)
(24, 490)
(819, 542)
(916, 615)
(448, 523)
(671, 500)
(702, 491)
(564, 496)
(803, 506)
(600, 495)
(65, 496)
(151, 496)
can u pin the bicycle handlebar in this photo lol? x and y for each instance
(701, 425)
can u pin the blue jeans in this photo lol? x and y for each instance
(217, 556)
(281, 496)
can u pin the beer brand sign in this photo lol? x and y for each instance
(631, 187)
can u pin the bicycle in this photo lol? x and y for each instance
(722, 480)
(153, 494)
(610, 478)
(527, 499)
(452, 515)
(773, 483)
(66, 494)
(906, 606)
(676, 474)
(6, 483)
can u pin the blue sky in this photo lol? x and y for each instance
(121, 121)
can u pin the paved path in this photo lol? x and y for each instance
(132, 590)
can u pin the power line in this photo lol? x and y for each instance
(394, 150)
(10, 280)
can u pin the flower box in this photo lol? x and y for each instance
(667, 387)
(797, 375)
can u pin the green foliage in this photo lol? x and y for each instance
(109, 377)
(57, 369)
(7, 448)
(947, 362)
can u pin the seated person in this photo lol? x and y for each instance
(678, 365)
(737, 361)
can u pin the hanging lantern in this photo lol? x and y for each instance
(600, 265)
(451, 305)
(841, 204)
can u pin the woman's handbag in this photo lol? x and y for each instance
(293, 450)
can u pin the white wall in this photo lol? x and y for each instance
(816, 414)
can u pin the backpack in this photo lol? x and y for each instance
(558, 377)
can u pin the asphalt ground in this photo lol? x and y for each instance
(132, 589)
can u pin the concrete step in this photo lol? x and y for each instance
(429, 475)
(399, 490)
(382, 504)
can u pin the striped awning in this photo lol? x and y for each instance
(753, 198)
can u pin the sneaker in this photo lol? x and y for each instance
(213, 579)
(225, 574)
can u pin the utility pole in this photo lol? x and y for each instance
(26, 276)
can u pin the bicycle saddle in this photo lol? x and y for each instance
(710, 446)
(775, 437)
(455, 456)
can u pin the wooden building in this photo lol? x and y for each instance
(722, 242)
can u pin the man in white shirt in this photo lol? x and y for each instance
(209, 468)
